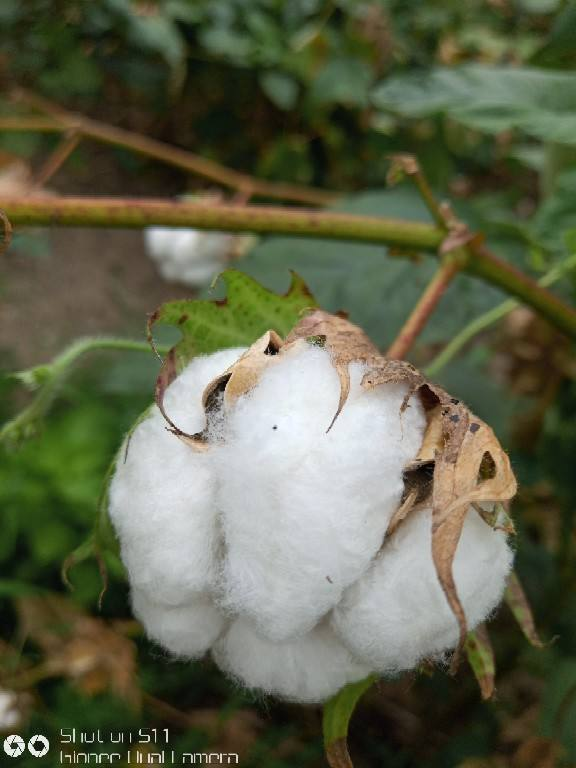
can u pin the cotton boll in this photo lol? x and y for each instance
(162, 494)
(303, 510)
(397, 614)
(307, 669)
(187, 630)
(157, 241)
(188, 256)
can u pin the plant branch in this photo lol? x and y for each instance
(138, 213)
(427, 303)
(487, 319)
(398, 233)
(453, 256)
(56, 160)
(47, 381)
(407, 165)
(60, 120)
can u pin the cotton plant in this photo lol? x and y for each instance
(309, 512)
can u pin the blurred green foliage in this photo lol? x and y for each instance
(321, 92)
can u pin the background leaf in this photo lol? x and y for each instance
(539, 103)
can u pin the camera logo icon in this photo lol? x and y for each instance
(38, 745)
(14, 745)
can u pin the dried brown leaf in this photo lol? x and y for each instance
(481, 658)
(345, 341)
(337, 754)
(460, 445)
(245, 373)
(85, 649)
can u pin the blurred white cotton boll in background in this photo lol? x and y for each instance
(188, 256)
(397, 615)
(306, 669)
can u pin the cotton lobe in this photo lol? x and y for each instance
(268, 548)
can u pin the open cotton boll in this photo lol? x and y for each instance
(188, 256)
(397, 614)
(307, 669)
(162, 495)
(187, 629)
(303, 510)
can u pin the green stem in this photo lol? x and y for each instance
(136, 214)
(49, 379)
(489, 318)
(403, 235)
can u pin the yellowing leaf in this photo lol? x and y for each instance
(481, 658)
(517, 601)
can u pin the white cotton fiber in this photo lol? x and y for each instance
(162, 495)
(396, 615)
(307, 669)
(188, 256)
(267, 548)
(186, 630)
(303, 510)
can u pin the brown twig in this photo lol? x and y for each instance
(452, 253)
(424, 308)
(60, 120)
(56, 160)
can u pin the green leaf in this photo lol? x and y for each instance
(336, 717)
(281, 89)
(14, 588)
(481, 658)
(343, 81)
(558, 705)
(490, 99)
(161, 35)
(248, 311)
(245, 314)
(557, 214)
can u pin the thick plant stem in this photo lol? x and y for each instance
(427, 303)
(487, 319)
(407, 236)
(62, 121)
(489, 267)
(135, 214)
